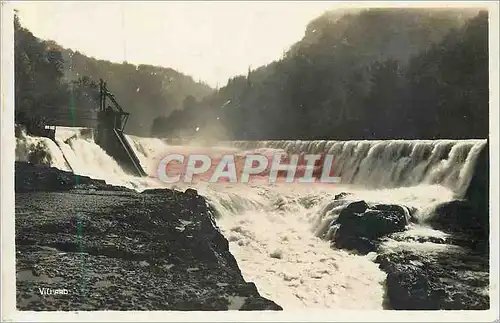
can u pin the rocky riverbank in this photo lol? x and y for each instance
(85, 245)
(424, 272)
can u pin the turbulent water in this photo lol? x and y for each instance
(392, 163)
(279, 233)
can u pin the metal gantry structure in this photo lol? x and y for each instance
(110, 135)
(120, 116)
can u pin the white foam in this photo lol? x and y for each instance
(276, 249)
(380, 164)
(29, 146)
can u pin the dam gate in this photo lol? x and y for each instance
(111, 121)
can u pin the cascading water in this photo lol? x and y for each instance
(391, 163)
(275, 230)
(75, 150)
(39, 150)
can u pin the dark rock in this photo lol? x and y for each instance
(432, 281)
(409, 287)
(341, 196)
(259, 304)
(191, 192)
(122, 250)
(356, 207)
(157, 191)
(461, 219)
(371, 224)
(388, 207)
(40, 178)
(399, 210)
(362, 245)
(360, 227)
(457, 217)
(477, 192)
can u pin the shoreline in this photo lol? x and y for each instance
(84, 236)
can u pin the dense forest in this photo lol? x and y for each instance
(375, 74)
(370, 74)
(61, 85)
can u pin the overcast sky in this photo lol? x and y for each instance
(211, 41)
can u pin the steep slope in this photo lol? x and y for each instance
(355, 76)
(60, 85)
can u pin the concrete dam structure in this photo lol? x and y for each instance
(109, 133)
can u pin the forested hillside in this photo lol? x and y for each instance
(375, 74)
(370, 74)
(60, 85)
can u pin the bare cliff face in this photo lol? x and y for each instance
(85, 245)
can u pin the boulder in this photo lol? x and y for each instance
(457, 216)
(360, 244)
(360, 227)
(409, 286)
(341, 196)
(432, 281)
(355, 207)
(460, 218)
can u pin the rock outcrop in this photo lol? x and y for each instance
(450, 271)
(478, 190)
(359, 226)
(461, 219)
(448, 279)
(111, 248)
(40, 178)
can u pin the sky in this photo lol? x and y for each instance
(211, 41)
